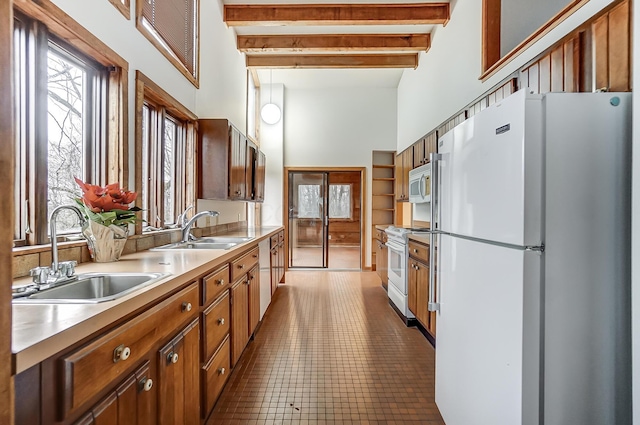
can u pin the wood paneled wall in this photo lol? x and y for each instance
(596, 56)
(6, 209)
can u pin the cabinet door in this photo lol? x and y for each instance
(261, 163)
(132, 403)
(422, 292)
(412, 296)
(281, 261)
(399, 177)
(239, 318)
(419, 153)
(251, 158)
(407, 161)
(178, 380)
(237, 162)
(379, 258)
(274, 269)
(383, 263)
(253, 281)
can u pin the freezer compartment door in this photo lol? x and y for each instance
(496, 173)
(480, 328)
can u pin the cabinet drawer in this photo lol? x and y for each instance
(243, 264)
(214, 283)
(215, 325)
(281, 236)
(273, 241)
(214, 376)
(90, 369)
(419, 251)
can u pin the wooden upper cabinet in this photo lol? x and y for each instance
(419, 153)
(237, 165)
(259, 177)
(404, 163)
(227, 162)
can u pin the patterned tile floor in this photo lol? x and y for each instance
(331, 351)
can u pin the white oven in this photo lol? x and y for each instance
(398, 265)
(398, 253)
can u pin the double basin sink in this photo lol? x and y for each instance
(218, 242)
(92, 288)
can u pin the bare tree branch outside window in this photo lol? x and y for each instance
(65, 88)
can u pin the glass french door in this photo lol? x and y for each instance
(308, 219)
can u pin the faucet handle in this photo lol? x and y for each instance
(67, 268)
(40, 274)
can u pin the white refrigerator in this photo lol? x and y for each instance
(532, 276)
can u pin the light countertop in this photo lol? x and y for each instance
(41, 330)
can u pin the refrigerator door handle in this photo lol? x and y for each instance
(434, 181)
(435, 195)
(433, 304)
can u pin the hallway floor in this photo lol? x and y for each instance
(331, 351)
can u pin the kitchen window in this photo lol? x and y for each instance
(173, 27)
(310, 201)
(166, 138)
(61, 128)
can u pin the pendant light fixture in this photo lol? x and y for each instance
(270, 113)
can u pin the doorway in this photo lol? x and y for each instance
(324, 223)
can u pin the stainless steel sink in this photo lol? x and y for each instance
(225, 239)
(198, 245)
(93, 288)
(213, 242)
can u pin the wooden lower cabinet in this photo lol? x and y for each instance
(418, 286)
(131, 403)
(239, 318)
(214, 376)
(178, 374)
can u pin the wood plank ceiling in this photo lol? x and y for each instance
(270, 34)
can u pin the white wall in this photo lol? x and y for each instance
(447, 78)
(272, 144)
(339, 127)
(223, 75)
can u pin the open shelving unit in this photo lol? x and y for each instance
(383, 193)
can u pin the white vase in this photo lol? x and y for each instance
(105, 243)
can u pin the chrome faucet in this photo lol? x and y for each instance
(182, 218)
(186, 228)
(59, 272)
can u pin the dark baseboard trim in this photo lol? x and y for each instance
(407, 321)
(426, 333)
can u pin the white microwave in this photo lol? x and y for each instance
(420, 184)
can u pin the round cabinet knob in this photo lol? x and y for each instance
(220, 281)
(147, 384)
(186, 306)
(221, 321)
(222, 371)
(255, 255)
(121, 353)
(172, 357)
(415, 250)
(241, 266)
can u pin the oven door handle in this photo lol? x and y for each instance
(395, 247)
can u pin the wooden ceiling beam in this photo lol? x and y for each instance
(332, 61)
(336, 14)
(334, 42)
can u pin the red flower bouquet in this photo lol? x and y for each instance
(107, 205)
